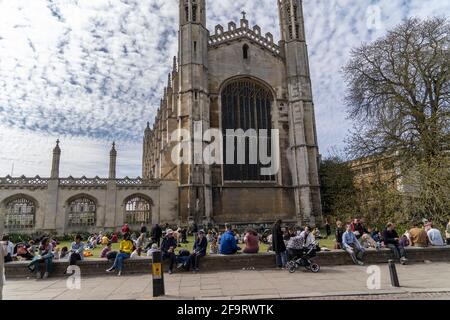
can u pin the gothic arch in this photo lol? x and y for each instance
(249, 77)
(137, 209)
(81, 210)
(19, 212)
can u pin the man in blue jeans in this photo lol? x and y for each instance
(228, 244)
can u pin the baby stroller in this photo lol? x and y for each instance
(304, 260)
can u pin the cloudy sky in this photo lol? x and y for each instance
(92, 71)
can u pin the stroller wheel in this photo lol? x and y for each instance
(292, 268)
(314, 268)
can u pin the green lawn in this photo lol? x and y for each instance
(329, 243)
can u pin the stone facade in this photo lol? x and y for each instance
(208, 64)
(65, 205)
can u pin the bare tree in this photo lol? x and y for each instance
(399, 92)
(399, 99)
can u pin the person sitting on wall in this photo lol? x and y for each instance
(168, 246)
(76, 251)
(392, 241)
(45, 256)
(200, 246)
(227, 244)
(136, 254)
(418, 237)
(251, 241)
(213, 247)
(154, 248)
(351, 244)
(357, 228)
(8, 247)
(24, 252)
(125, 250)
(106, 250)
(434, 235)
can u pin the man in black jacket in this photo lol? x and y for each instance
(168, 246)
(391, 238)
(200, 246)
(156, 234)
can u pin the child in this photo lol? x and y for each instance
(213, 249)
(105, 250)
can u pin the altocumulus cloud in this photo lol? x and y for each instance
(91, 72)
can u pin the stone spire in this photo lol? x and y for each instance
(55, 162)
(112, 162)
(169, 81)
(174, 66)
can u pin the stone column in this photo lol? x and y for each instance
(110, 220)
(51, 211)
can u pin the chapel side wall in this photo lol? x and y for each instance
(66, 195)
(168, 203)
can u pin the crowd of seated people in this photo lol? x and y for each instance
(357, 238)
(353, 237)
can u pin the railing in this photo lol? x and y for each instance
(255, 35)
(138, 182)
(37, 181)
(83, 181)
(24, 181)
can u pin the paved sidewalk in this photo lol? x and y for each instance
(330, 283)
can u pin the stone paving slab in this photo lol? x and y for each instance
(339, 281)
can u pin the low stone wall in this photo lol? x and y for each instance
(95, 267)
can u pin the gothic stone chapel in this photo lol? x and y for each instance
(233, 79)
(239, 78)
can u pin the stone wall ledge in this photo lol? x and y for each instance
(96, 267)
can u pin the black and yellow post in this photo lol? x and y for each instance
(157, 274)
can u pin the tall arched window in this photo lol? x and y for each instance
(82, 212)
(20, 214)
(246, 104)
(138, 210)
